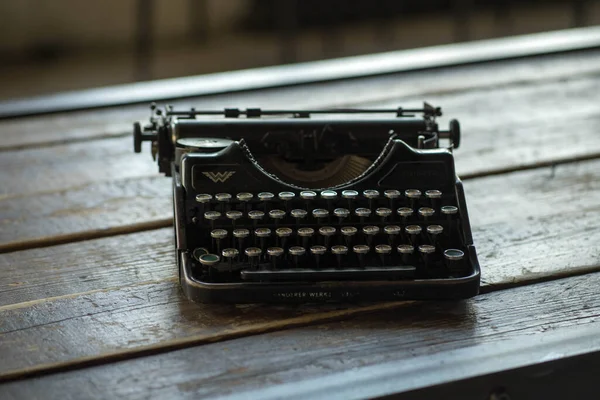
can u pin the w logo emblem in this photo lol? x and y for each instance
(218, 176)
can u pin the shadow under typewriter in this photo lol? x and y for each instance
(300, 209)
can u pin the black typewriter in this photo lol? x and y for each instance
(324, 205)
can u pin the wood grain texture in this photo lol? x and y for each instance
(519, 235)
(86, 125)
(424, 334)
(82, 188)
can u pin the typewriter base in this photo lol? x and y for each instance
(318, 292)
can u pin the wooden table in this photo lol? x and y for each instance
(90, 304)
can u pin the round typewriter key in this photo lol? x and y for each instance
(383, 213)
(405, 213)
(455, 261)
(224, 199)
(341, 214)
(308, 195)
(265, 197)
(319, 214)
(383, 250)
(318, 251)
(434, 231)
(392, 231)
(275, 253)
(370, 231)
(218, 235)
(426, 250)
(199, 251)
(413, 231)
(277, 215)
(203, 198)
(262, 234)
(299, 214)
(392, 194)
(327, 232)
(413, 195)
(360, 250)
(241, 235)
(329, 194)
(244, 196)
(339, 252)
(371, 195)
(286, 197)
(449, 212)
(234, 215)
(253, 254)
(282, 235)
(229, 254)
(362, 213)
(426, 212)
(434, 197)
(296, 252)
(348, 232)
(209, 260)
(350, 195)
(255, 216)
(212, 216)
(305, 234)
(405, 250)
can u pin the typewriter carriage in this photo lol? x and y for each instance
(248, 147)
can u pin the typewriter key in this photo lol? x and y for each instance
(371, 195)
(241, 235)
(413, 232)
(265, 197)
(282, 235)
(209, 260)
(286, 197)
(305, 234)
(350, 195)
(218, 235)
(262, 234)
(327, 232)
(348, 232)
(362, 213)
(413, 195)
(318, 251)
(392, 231)
(255, 216)
(339, 251)
(383, 213)
(341, 214)
(329, 196)
(299, 214)
(224, 199)
(370, 232)
(277, 215)
(275, 253)
(253, 254)
(426, 212)
(405, 250)
(204, 199)
(212, 216)
(244, 198)
(455, 261)
(198, 252)
(229, 254)
(234, 215)
(449, 212)
(383, 250)
(426, 251)
(404, 213)
(360, 250)
(319, 214)
(308, 196)
(434, 231)
(296, 252)
(392, 195)
(434, 197)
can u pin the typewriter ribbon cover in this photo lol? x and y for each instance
(297, 206)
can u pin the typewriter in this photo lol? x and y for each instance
(315, 205)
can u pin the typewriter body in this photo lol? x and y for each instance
(309, 206)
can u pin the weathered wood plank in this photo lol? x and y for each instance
(44, 130)
(528, 225)
(426, 336)
(98, 185)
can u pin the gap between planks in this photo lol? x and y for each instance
(166, 222)
(236, 333)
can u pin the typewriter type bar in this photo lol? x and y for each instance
(276, 206)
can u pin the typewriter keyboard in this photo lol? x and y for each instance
(327, 236)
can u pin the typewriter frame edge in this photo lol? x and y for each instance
(347, 291)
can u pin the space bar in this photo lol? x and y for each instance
(309, 274)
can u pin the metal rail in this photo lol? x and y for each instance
(310, 72)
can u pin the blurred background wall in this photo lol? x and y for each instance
(55, 45)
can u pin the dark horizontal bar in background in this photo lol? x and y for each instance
(310, 72)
